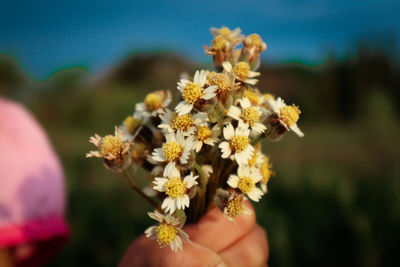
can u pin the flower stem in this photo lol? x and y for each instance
(140, 192)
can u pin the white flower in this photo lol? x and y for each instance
(232, 36)
(171, 122)
(242, 72)
(237, 144)
(288, 115)
(206, 135)
(168, 232)
(235, 207)
(175, 188)
(246, 181)
(131, 126)
(248, 115)
(193, 92)
(257, 158)
(153, 104)
(176, 149)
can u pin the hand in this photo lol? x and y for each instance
(215, 242)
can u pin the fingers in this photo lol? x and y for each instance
(217, 232)
(251, 250)
(146, 252)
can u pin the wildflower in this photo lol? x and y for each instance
(287, 115)
(237, 144)
(168, 232)
(266, 172)
(153, 103)
(194, 92)
(242, 72)
(206, 135)
(246, 180)
(233, 36)
(113, 148)
(236, 207)
(175, 188)
(176, 149)
(171, 122)
(248, 115)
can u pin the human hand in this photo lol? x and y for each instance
(215, 242)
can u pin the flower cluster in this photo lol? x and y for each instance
(206, 150)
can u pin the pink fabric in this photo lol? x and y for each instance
(32, 197)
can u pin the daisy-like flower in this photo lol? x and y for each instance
(237, 144)
(168, 232)
(236, 207)
(242, 72)
(175, 188)
(287, 115)
(153, 103)
(130, 126)
(113, 148)
(194, 92)
(207, 136)
(246, 180)
(254, 44)
(171, 122)
(266, 172)
(225, 84)
(176, 149)
(248, 115)
(233, 36)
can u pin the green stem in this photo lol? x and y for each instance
(140, 192)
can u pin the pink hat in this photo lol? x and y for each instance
(32, 197)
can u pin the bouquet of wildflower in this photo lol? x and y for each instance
(206, 150)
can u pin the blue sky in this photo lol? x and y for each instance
(45, 36)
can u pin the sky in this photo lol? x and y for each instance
(46, 36)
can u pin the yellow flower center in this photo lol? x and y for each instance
(172, 151)
(254, 40)
(239, 143)
(219, 42)
(153, 102)
(235, 207)
(221, 80)
(242, 70)
(131, 123)
(265, 169)
(111, 145)
(175, 188)
(224, 31)
(246, 184)
(290, 114)
(192, 92)
(165, 234)
(182, 123)
(252, 96)
(250, 115)
(203, 132)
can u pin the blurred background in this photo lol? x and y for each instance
(80, 67)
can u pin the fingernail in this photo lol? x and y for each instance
(221, 264)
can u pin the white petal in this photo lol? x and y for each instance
(234, 112)
(297, 130)
(157, 155)
(229, 131)
(183, 108)
(225, 149)
(245, 103)
(227, 66)
(255, 194)
(233, 181)
(169, 169)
